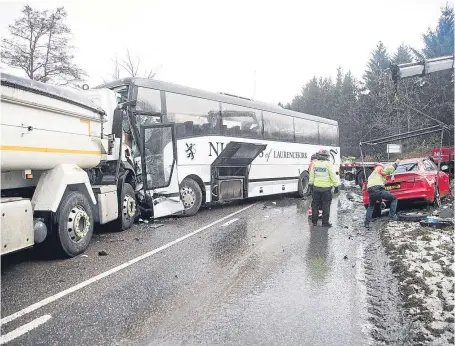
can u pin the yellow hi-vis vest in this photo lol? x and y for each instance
(322, 174)
(376, 179)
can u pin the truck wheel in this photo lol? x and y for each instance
(128, 207)
(191, 196)
(74, 223)
(361, 177)
(303, 184)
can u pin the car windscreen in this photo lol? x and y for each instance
(407, 167)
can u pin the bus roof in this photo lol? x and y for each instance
(219, 97)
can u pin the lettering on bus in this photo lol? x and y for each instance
(333, 152)
(289, 154)
(215, 150)
(267, 155)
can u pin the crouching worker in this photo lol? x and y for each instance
(322, 179)
(376, 191)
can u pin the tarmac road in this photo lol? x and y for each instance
(253, 272)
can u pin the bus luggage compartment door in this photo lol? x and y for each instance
(159, 169)
(231, 168)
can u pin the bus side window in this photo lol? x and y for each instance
(328, 134)
(278, 126)
(306, 131)
(199, 116)
(241, 121)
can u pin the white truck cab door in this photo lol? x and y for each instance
(159, 168)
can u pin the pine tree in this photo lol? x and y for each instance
(402, 55)
(440, 42)
(374, 75)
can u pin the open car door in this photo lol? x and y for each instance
(230, 170)
(159, 168)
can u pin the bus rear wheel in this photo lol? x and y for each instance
(303, 184)
(191, 196)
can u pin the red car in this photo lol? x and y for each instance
(415, 179)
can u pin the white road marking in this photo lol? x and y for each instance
(229, 222)
(24, 329)
(98, 277)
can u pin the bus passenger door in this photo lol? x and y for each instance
(159, 168)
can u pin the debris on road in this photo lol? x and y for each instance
(83, 256)
(102, 253)
(156, 225)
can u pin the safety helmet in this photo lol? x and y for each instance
(379, 167)
(323, 154)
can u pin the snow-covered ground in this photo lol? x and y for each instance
(422, 259)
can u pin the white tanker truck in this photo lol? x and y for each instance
(63, 165)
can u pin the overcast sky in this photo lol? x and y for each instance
(218, 45)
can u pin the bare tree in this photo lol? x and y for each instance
(39, 44)
(131, 67)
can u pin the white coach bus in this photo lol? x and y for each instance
(192, 147)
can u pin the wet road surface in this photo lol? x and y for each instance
(262, 276)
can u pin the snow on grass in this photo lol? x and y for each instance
(423, 260)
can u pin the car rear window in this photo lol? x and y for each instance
(407, 167)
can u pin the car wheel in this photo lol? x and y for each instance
(412, 216)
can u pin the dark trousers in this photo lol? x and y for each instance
(322, 198)
(378, 195)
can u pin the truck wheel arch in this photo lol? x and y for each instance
(54, 183)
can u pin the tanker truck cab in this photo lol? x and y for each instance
(64, 166)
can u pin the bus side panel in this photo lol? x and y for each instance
(277, 170)
(264, 188)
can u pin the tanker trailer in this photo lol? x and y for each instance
(63, 166)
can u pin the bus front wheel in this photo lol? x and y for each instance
(191, 196)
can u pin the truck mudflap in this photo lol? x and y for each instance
(17, 224)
